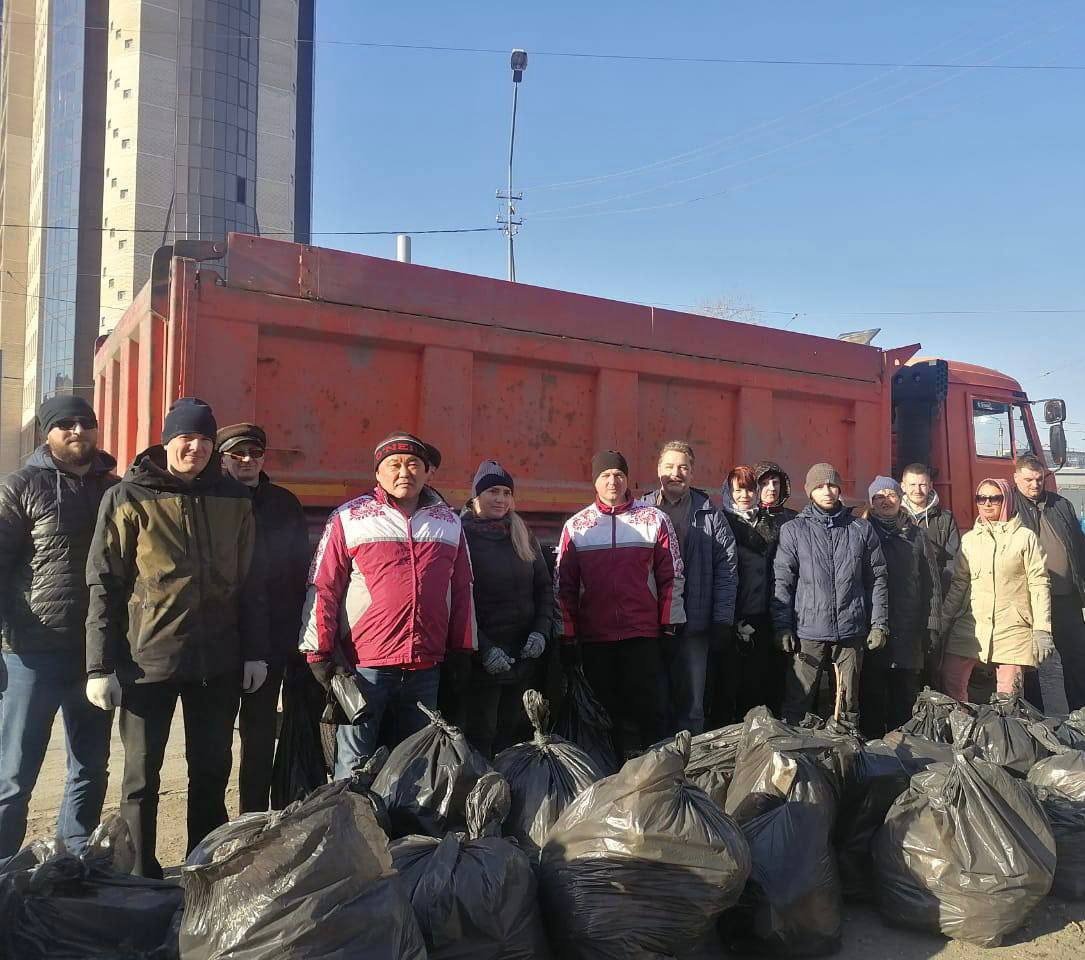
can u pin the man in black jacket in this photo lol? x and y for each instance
(282, 542)
(47, 513)
(1054, 521)
(176, 612)
(923, 506)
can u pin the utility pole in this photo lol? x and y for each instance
(509, 223)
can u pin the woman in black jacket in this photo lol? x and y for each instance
(514, 607)
(760, 667)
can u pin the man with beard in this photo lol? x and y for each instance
(47, 515)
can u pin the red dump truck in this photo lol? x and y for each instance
(331, 350)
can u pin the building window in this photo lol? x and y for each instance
(113, 182)
(116, 133)
(110, 283)
(124, 144)
(124, 192)
(120, 294)
(112, 233)
(242, 190)
(126, 94)
(117, 83)
(121, 244)
(128, 44)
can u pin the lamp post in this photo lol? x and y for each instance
(518, 63)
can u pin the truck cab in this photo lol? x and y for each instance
(969, 423)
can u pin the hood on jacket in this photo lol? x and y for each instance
(763, 468)
(728, 504)
(43, 460)
(932, 509)
(149, 470)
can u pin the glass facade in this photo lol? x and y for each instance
(64, 124)
(216, 170)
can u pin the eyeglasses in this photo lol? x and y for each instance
(68, 424)
(989, 498)
(243, 455)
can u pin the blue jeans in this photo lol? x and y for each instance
(384, 688)
(33, 686)
(688, 669)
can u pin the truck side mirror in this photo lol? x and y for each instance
(1057, 444)
(1054, 411)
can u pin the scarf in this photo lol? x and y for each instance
(1009, 504)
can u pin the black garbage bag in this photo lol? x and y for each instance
(967, 852)
(881, 777)
(474, 894)
(583, 720)
(792, 904)
(57, 906)
(427, 778)
(544, 776)
(312, 882)
(1067, 819)
(914, 752)
(930, 716)
(1063, 773)
(1014, 705)
(712, 758)
(299, 755)
(1057, 732)
(641, 864)
(999, 733)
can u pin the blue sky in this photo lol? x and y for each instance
(835, 193)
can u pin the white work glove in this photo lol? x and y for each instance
(1043, 645)
(533, 646)
(104, 692)
(497, 662)
(253, 675)
(744, 631)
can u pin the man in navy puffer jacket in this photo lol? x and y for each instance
(831, 594)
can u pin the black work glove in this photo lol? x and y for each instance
(934, 643)
(570, 654)
(787, 641)
(324, 670)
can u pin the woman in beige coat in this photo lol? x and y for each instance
(998, 606)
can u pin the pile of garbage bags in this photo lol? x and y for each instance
(55, 904)
(750, 838)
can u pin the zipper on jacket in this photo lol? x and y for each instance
(197, 506)
(832, 579)
(614, 547)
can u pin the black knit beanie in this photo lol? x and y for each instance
(608, 460)
(64, 407)
(189, 416)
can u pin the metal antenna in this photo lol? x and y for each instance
(509, 222)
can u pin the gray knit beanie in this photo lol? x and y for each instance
(884, 483)
(490, 473)
(820, 474)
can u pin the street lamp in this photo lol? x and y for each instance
(518, 63)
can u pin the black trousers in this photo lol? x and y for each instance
(629, 678)
(762, 670)
(810, 664)
(495, 716)
(886, 695)
(145, 717)
(258, 721)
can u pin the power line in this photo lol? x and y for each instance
(596, 55)
(263, 233)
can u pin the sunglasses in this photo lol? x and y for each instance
(989, 498)
(70, 423)
(256, 454)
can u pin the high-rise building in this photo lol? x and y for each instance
(126, 124)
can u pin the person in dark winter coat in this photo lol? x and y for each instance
(710, 563)
(177, 612)
(47, 514)
(831, 596)
(761, 665)
(890, 679)
(774, 489)
(1053, 519)
(923, 506)
(514, 610)
(282, 543)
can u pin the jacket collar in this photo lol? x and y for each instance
(428, 498)
(620, 508)
(837, 519)
(149, 470)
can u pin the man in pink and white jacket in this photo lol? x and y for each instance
(390, 596)
(619, 591)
